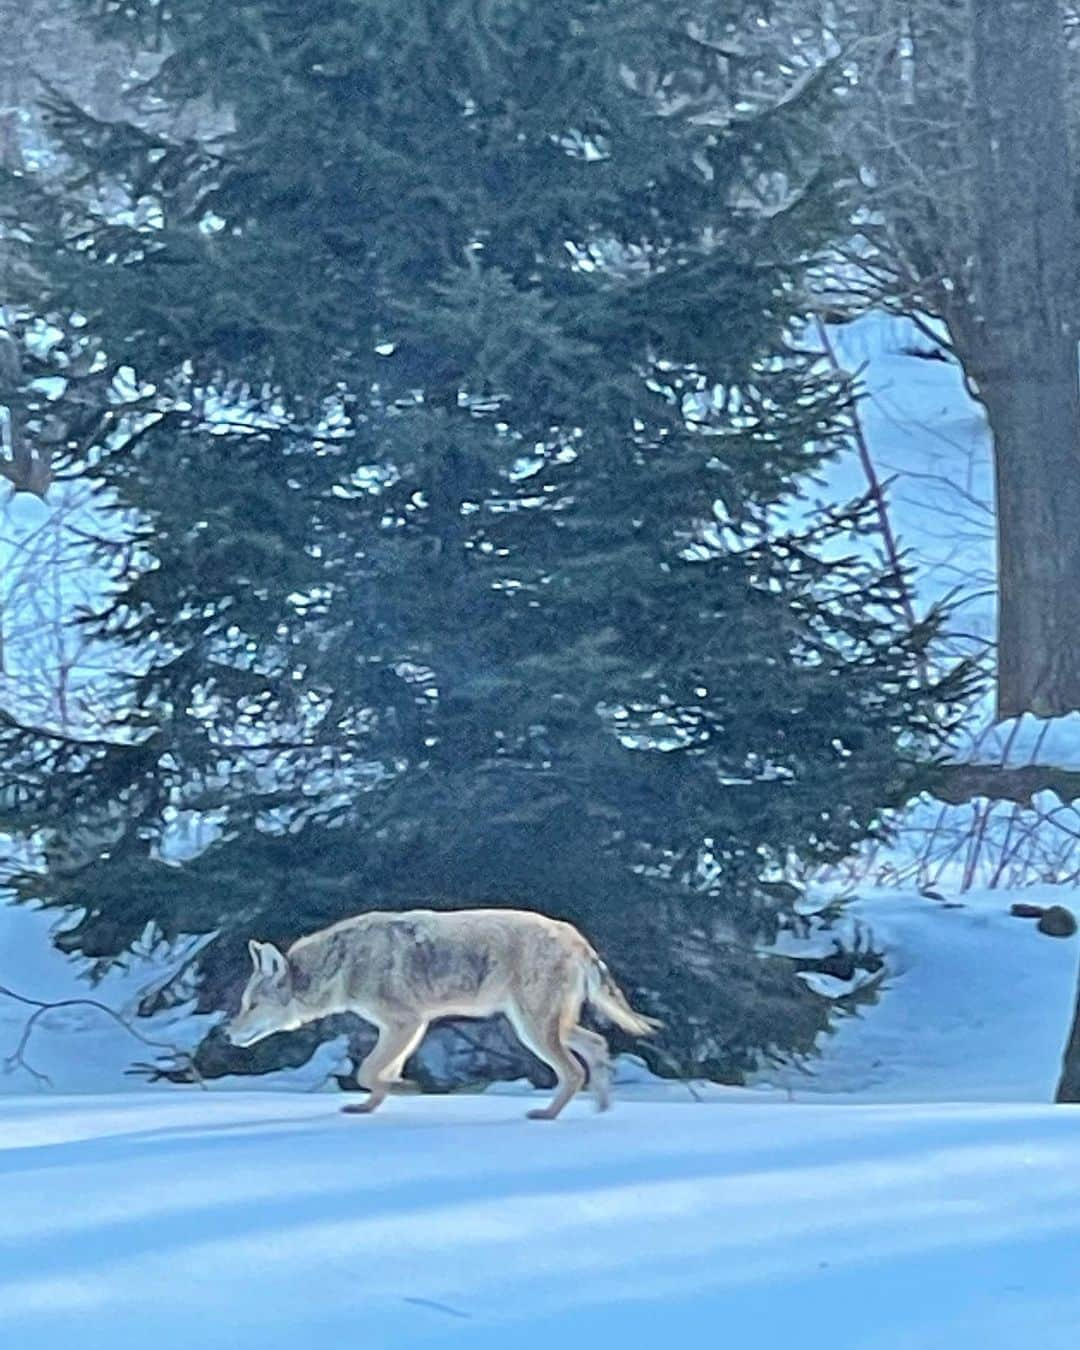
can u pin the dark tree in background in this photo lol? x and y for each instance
(962, 115)
(464, 402)
(1027, 365)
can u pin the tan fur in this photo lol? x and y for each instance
(403, 971)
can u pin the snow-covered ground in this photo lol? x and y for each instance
(188, 1219)
(842, 1215)
(77, 1047)
(975, 1005)
(916, 1192)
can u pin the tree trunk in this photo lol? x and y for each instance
(1026, 347)
(1068, 1088)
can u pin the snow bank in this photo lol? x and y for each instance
(975, 1004)
(79, 1048)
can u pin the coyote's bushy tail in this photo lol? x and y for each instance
(608, 999)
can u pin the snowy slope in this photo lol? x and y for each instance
(78, 1047)
(218, 1221)
(931, 449)
(975, 1004)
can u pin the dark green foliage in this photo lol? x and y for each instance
(460, 576)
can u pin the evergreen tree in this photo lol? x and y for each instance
(466, 408)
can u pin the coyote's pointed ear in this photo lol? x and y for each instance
(267, 959)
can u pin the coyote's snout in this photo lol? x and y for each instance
(403, 971)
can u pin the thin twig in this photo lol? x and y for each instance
(877, 494)
(17, 1059)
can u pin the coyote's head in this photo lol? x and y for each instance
(266, 1004)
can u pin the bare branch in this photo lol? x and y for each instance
(17, 1059)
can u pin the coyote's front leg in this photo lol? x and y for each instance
(383, 1066)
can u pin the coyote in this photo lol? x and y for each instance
(402, 971)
